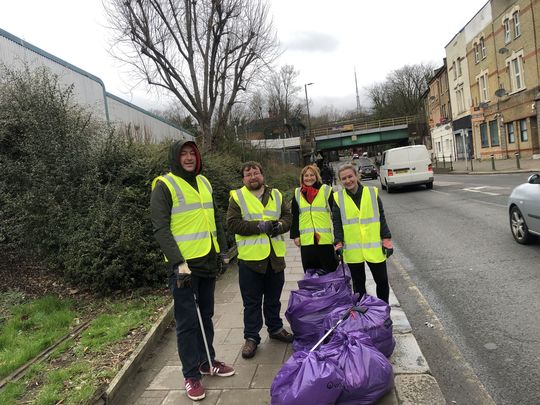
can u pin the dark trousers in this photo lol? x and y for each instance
(319, 257)
(380, 277)
(190, 342)
(260, 290)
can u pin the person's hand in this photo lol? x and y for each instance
(297, 242)
(183, 275)
(277, 228)
(223, 262)
(265, 227)
(387, 247)
(338, 248)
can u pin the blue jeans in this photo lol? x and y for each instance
(190, 342)
(254, 286)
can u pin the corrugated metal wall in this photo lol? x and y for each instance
(89, 90)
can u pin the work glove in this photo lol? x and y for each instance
(183, 275)
(338, 248)
(387, 247)
(277, 229)
(265, 227)
(223, 262)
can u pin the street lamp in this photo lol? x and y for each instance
(308, 117)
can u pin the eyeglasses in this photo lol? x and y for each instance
(253, 174)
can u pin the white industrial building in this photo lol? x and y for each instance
(89, 90)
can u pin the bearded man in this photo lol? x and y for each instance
(258, 216)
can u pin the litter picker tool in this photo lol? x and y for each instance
(210, 365)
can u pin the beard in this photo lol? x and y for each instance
(255, 185)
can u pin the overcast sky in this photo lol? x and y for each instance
(324, 40)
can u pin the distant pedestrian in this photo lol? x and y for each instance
(188, 230)
(361, 233)
(258, 216)
(327, 174)
(311, 227)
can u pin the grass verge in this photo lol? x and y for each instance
(82, 367)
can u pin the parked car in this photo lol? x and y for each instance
(406, 166)
(367, 169)
(524, 210)
(355, 156)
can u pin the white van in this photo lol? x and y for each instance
(406, 166)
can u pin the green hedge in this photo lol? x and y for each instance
(75, 195)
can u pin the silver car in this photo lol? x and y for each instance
(524, 210)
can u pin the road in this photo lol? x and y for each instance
(458, 268)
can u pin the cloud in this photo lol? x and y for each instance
(311, 41)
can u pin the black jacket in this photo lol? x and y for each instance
(295, 210)
(160, 209)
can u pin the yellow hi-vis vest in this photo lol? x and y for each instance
(257, 247)
(361, 227)
(193, 223)
(315, 217)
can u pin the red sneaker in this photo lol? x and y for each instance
(194, 389)
(219, 368)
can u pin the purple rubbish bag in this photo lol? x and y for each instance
(307, 309)
(308, 378)
(372, 317)
(368, 373)
(312, 281)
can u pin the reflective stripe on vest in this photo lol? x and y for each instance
(257, 247)
(361, 227)
(315, 217)
(192, 215)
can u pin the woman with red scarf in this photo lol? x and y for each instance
(311, 226)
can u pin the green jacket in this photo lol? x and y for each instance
(160, 211)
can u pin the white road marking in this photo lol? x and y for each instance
(479, 190)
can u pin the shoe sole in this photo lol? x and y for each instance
(219, 375)
(194, 398)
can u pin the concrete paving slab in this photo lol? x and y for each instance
(227, 353)
(407, 357)
(242, 378)
(418, 390)
(224, 297)
(151, 397)
(244, 397)
(230, 320)
(264, 375)
(235, 336)
(400, 322)
(267, 353)
(389, 399)
(168, 378)
(180, 398)
(220, 335)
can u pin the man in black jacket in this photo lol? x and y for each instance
(187, 228)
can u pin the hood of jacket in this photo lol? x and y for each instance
(174, 160)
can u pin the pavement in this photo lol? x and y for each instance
(157, 379)
(486, 166)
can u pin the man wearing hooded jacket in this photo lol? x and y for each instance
(188, 230)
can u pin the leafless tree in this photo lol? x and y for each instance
(205, 52)
(281, 92)
(400, 93)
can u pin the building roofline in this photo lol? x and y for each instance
(462, 28)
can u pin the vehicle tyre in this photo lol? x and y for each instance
(383, 186)
(389, 189)
(429, 185)
(520, 232)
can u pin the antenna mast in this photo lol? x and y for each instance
(357, 96)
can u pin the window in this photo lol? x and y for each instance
(439, 147)
(454, 69)
(476, 53)
(517, 28)
(523, 131)
(507, 34)
(510, 132)
(443, 113)
(483, 87)
(484, 136)
(459, 71)
(482, 48)
(459, 99)
(516, 73)
(494, 133)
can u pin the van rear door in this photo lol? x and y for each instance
(419, 162)
(399, 162)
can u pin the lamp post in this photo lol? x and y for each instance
(309, 118)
